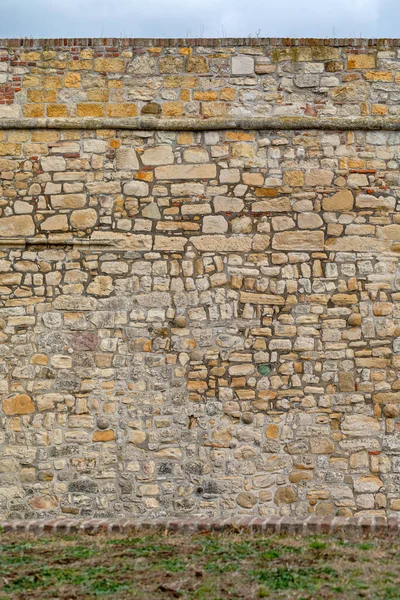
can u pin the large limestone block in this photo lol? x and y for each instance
(242, 65)
(298, 240)
(126, 159)
(367, 483)
(319, 177)
(344, 299)
(360, 426)
(354, 243)
(221, 243)
(355, 91)
(123, 241)
(68, 201)
(214, 224)
(187, 189)
(202, 171)
(341, 201)
(260, 299)
(55, 223)
(83, 219)
(309, 220)
(103, 187)
(53, 163)
(171, 244)
(136, 188)
(74, 303)
(223, 204)
(160, 155)
(20, 225)
(382, 203)
(102, 285)
(387, 398)
(391, 232)
(271, 205)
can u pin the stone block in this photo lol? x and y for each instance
(298, 240)
(18, 226)
(242, 65)
(174, 172)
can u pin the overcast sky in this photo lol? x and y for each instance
(199, 18)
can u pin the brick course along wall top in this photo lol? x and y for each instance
(199, 277)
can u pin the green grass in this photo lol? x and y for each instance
(237, 566)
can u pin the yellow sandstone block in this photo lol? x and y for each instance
(379, 109)
(104, 436)
(239, 136)
(52, 82)
(80, 65)
(98, 95)
(43, 135)
(49, 55)
(30, 81)
(272, 431)
(109, 65)
(33, 110)
(115, 84)
(185, 138)
(294, 178)
(30, 56)
(42, 96)
(185, 95)
(172, 109)
(72, 80)
(196, 64)
(86, 53)
(361, 61)
(57, 110)
(121, 110)
(379, 76)
(205, 96)
(90, 110)
(228, 94)
(18, 136)
(39, 359)
(181, 81)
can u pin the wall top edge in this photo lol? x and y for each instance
(200, 42)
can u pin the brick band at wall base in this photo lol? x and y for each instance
(344, 527)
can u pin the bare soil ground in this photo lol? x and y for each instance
(199, 567)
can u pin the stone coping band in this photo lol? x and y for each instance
(200, 42)
(347, 527)
(212, 124)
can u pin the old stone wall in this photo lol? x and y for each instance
(199, 322)
(119, 78)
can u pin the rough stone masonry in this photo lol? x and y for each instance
(198, 316)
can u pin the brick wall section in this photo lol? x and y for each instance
(198, 78)
(199, 324)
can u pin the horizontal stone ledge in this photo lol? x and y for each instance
(54, 241)
(344, 527)
(289, 122)
(300, 241)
